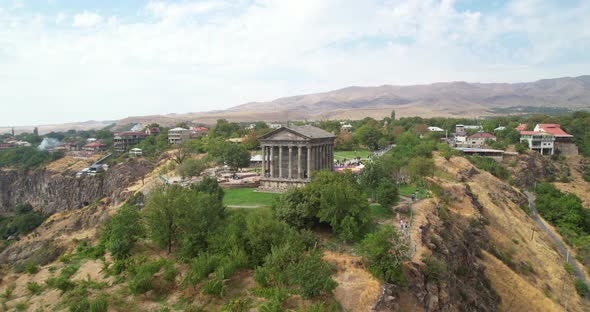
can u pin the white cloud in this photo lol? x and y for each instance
(86, 19)
(195, 56)
(61, 17)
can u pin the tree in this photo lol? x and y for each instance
(342, 204)
(419, 167)
(260, 125)
(371, 176)
(183, 150)
(36, 132)
(250, 141)
(123, 231)
(344, 141)
(185, 217)
(384, 251)
(392, 114)
(387, 193)
(369, 135)
(236, 156)
(191, 168)
(297, 208)
(225, 129)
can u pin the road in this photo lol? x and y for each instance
(556, 241)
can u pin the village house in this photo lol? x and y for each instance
(479, 139)
(153, 131)
(178, 135)
(548, 139)
(122, 140)
(346, 128)
(94, 147)
(197, 132)
(136, 152)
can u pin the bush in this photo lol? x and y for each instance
(122, 231)
(61, 282)
(31, 268)
(237, 305)
(383, 252)
(569, 268)
(215, 285)
(201, 267)
(581, 287)
(312, 275)
(34, 288)
(435, 269)
(100, 304)
(140, 280)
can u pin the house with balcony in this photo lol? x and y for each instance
(178, 135)
(122, 140)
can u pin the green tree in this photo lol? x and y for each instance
(122, 231)
(185, 217)
(387, 193)
(342, 204)
(384, 251)
(225, 129)
(419, 167)
(236, 156)
(297, 208)
(191, 167)
(369, 135)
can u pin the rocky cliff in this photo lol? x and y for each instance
(51, 191)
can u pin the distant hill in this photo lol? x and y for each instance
(445, 99)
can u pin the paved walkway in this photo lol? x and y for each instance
(556, 241)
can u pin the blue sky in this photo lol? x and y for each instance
(72, 60)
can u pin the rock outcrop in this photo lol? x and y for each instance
(51, 192)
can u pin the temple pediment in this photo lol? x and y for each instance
(285, 134)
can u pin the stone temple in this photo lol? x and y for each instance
(291, 154)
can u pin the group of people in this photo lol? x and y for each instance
(404, 226)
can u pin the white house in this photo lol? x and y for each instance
(178, 135)
(435, 129)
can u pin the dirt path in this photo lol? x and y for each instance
(561, 248)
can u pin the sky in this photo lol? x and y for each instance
(71, 60)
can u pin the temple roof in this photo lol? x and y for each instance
(307, 131)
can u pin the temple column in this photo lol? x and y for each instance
(272, 161)
(263, 161)
(290, 166)
(299, 148)
(308, 147)
(281, 162)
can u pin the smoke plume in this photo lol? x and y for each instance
(48, 143)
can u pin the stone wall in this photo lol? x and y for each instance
(50, 191)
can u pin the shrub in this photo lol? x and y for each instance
(61, 282)
(581, 287)
(141, 280)
(383, 252)
(215, 285)
(237, 305)
(34, 288)
(122, 231)
(201, 267)
(569, 268)
(100, 304)
(435, 269)
(312, 275)
(31, 268)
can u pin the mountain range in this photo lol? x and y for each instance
(445, 99)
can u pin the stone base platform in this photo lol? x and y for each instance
(275, 185)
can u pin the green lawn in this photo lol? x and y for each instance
(340, 155)
(248, 197)
(379, 212)
(407, 190)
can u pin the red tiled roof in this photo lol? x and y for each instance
(554, 129)
(200, 129)
(95, 144)
(482, 135)
(521, 127)
(131, 133)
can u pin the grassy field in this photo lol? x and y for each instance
(340, 155)
(379, 212)
(248, 197)
(407, 190)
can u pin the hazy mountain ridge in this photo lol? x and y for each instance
(448, 99)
